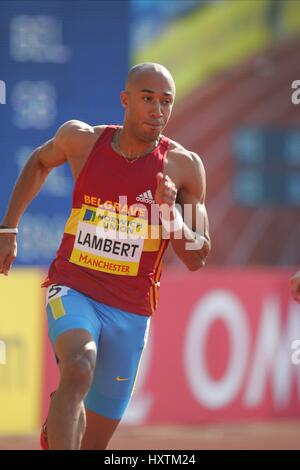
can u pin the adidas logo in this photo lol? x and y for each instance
(146, 197)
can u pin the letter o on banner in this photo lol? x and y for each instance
(223, 305)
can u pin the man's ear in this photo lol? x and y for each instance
(124, 98)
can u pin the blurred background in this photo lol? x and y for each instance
(220, 357)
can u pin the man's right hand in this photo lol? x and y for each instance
(295, 286)
(8, 251)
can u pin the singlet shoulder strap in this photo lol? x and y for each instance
(105, 137)
(102, 141)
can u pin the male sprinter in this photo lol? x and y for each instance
(102, 289)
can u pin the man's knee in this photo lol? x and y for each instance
(76, 351)
(77, 372)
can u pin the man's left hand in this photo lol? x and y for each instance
(166, 190)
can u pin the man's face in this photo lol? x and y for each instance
(148, 104)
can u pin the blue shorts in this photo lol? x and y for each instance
(120, 338)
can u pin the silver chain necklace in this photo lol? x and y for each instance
(128, 159)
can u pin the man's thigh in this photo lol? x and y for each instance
(122, 340)
(68, 309)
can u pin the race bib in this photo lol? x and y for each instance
(108, 241)
(55, 291)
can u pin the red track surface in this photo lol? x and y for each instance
(274, 435)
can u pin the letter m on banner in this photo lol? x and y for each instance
(2, 353)
(2, 92)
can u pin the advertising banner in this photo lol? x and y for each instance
(21, 359)
(59, 61)
(223, 346)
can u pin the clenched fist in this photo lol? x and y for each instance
(8, 252)
(166, 190)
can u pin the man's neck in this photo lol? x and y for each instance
(131, 146)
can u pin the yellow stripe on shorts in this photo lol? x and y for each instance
(57, 308)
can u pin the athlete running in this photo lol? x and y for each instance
(102, 286)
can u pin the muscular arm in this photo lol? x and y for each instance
(194, 246)
(190, 240)
(71, 139)
(31, 179)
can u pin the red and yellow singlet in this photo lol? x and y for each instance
(112, 248)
